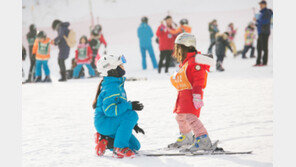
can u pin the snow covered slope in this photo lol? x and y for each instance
(57, 123)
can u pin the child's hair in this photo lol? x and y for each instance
(180, 52)
(83, 37)
(94, 105)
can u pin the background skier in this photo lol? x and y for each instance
(62, 29)
(184, 27)
(115, 117)
(145, 35)
(41, 50)
(232, 32)
(221, 44)
(31, 36)
(95, 41)
(249, 39)
(263, 27)
(166, 43)
(83, 56)
(213, 29)
(190, 82)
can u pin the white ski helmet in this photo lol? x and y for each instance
(109, 62)
(186, 39)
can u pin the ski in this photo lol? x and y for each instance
(195, 154)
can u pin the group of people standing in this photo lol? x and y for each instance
(225, 40)
(166, 34)
(86, 53)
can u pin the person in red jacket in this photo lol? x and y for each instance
(190, 82)
(166, 43)
(83, 55)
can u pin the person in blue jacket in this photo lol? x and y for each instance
(64, 50)
(263, 21)
(115, 116)
(145, 34)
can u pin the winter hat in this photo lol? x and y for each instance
(32, 28)
(109, 62)
(183, 21)
(144, 19)
(41, 34)
(186, 39)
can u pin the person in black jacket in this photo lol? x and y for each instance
(263, 22)
(221, 43)
(24, 55)
(31, 36)
(64, 49)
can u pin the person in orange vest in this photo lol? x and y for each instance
(41, 50)
(184, 27)
(190, 81)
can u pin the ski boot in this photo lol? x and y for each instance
(103, 143)
(63, 77)
(201, 143)
(47, 79)
(123, 152)
(38, 79)
(183, 140)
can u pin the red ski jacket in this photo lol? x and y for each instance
(190, 79)
(166, 39)
(83, 54)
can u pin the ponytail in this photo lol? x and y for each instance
(94, 105)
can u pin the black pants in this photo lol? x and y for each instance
(93, 62)
(220, 57)
(32, 63)
(62, 66)
(262, 45)
(165, 54)
(211, 45)
(246, 49)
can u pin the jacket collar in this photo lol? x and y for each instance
(189, 55)
(111, 80)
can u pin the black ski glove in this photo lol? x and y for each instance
(138, 129)
(137, 106)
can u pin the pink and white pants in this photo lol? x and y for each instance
(190, 122)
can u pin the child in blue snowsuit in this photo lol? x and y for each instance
(115, 117)
(145, 34)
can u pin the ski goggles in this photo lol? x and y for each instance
(123, 60)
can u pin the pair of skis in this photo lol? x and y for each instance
(214, 151)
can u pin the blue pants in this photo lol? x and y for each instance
(120, 128)
(77, 70)
(40, 63)
(152, 56)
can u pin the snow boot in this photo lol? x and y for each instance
(123, 152)
(63, 74)
(47, 79)
(219, 66)
(183, 140)
(38, 79)
(202, 142)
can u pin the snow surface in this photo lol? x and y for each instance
(57, 118)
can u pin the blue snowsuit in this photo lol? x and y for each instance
(145, 34)
(114, 116)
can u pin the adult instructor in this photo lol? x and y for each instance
(263, 21)
(64, 49)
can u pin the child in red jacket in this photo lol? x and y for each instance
(190, 81)
(83, 57)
